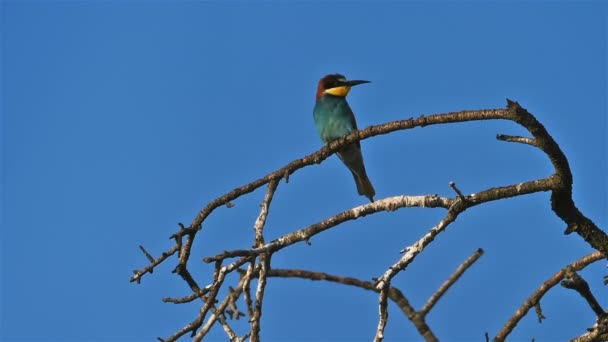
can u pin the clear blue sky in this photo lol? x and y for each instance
(120, 119)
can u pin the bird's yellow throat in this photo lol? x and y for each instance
(338, 91)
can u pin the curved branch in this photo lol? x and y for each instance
(561, 197)
(565, 209)
(575, 282)
(388, 204)
(393, 293)
(328, 150)
(541, 291)
(324, 153)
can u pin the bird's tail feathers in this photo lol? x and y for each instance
(364, 186)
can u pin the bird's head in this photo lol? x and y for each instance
(336, 85)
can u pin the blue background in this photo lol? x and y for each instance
(120, 119)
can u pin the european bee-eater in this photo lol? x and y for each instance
(334, 119)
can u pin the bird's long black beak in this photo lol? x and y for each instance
(355, 82)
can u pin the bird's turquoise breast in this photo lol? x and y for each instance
(333, 118)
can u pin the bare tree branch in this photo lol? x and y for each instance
(138, 274)
(187, 299)
(451, 281)
(383, 308)
(264, 261)
(261, 221)
(575, 282)
(559, 184)
(388, 204)
(232, 297)
(259, 297)
(247, 288)
(541, 291)
(393, 294)
(561, 197)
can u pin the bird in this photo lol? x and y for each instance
(335, 119)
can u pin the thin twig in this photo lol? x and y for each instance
(457, 191)
(539, 312)
(189, 298)
(247, 289)
(258, 227)
(516, 139)
(150, 268)
(148, 255)
(412, 251)
(451, 281)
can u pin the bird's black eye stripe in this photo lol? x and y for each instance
(333, 84)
